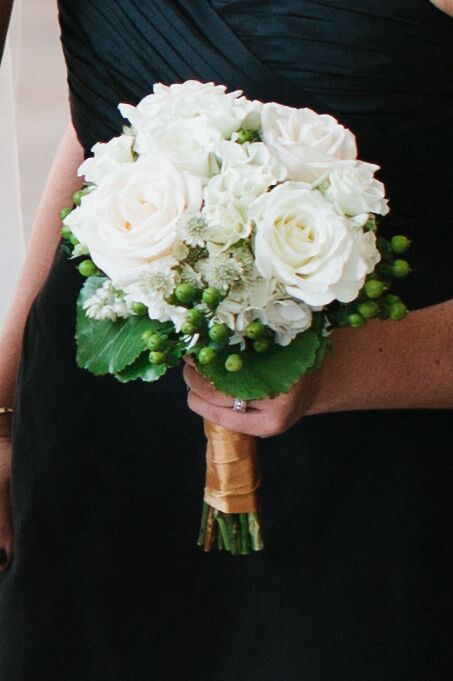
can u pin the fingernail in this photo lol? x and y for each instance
(3, 557)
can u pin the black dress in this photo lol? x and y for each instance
(355, 582)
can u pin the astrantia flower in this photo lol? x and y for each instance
(192, 229)
(157, 283)
(221, 271)
(153, 287)
(107, 303)
(191, 276)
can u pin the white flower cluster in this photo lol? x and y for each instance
(186, 194)
(106, 303)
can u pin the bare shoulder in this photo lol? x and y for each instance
(444, 5)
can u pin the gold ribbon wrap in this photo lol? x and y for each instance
(232, 477)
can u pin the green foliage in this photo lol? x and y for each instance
(105, 347)
(271, 374)
(142, 369)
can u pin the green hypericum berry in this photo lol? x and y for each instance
(356, 320)
(254, 330)
(188, 329)
(398, 311)
(374, 288)
(156, 342)
(261, 345)
(157, 357)
(194, 316)
(171, 299)
(146, 335)
(391, 298)
(206, 355)
(77, 198)
(211, 296)
(64, 212)
(74, 241)
(87, 268)
(400, 244)
(368, 309)
(139, 308)
(233, 363)
(65, 232)
(218, 332)
(400, 268)
(185, 293)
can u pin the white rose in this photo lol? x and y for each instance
(246, 174)
(225, 111)
(308, 144)
(354, 191)
(252, 158)
(130, 219)
(287, 318)
(308, 247)
(107, 158)
(226, 225)
(188, 143)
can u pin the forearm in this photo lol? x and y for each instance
(389, 365)
(61, 184)
(444, 5)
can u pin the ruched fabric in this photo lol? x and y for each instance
(354, 583)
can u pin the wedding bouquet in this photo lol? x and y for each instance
(238, 232)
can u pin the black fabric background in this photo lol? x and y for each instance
(355, 581)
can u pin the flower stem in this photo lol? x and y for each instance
(238, 533)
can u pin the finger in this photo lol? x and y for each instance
(199, 385)
(251, 423)
(206, 390)
(189, 360)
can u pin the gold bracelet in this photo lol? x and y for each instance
(6, 410)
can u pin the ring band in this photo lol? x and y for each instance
(240, 406)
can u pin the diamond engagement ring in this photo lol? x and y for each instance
(240, 405)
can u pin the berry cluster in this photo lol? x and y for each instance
(374, 299)
(211, 339)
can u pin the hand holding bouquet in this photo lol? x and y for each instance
(237, 232)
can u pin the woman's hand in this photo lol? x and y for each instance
(263, 418)
(384, 365)
(6, 534)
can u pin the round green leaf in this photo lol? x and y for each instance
(270, 374)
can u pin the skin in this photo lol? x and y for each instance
(380, 366)
(444, 5)
(61, 185)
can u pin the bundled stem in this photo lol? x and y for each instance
(230, 518)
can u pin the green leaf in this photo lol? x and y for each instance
(270, 374)
(105, 347)
(142, 368)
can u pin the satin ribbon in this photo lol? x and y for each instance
(232, 477)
